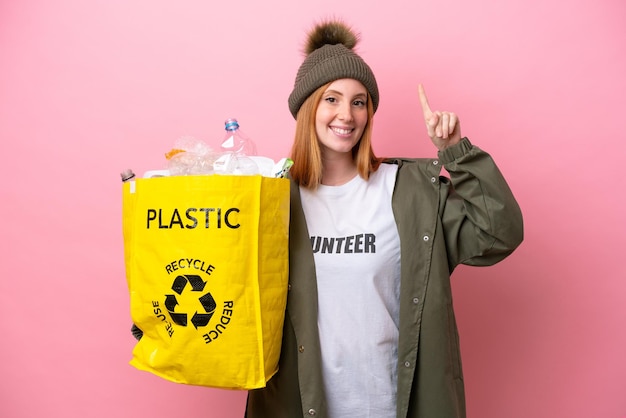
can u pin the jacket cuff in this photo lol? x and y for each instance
(455, 151)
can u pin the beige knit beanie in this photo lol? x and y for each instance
(329, 57)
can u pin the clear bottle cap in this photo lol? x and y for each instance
(127, 174)
(231, 124)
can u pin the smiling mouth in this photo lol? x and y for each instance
(341, 131)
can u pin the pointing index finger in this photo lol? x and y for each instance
(424, 101)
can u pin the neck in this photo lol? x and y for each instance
(338, 171)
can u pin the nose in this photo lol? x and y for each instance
(345, 112)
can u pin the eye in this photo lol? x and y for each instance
(359, 103)
(330, 99)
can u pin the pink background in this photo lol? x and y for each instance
(90, 88)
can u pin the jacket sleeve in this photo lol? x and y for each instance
(481, 219)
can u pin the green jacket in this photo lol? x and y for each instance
(476, 222)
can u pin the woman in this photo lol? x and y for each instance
(370, 330)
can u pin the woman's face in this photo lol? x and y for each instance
(341, 116)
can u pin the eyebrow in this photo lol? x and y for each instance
(358, 95)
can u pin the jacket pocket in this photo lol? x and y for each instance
(454, 346)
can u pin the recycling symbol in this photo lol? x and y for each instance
(205, 302)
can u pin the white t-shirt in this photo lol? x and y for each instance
(357, 259)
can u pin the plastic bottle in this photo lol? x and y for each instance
(236, 141)
(236, 149)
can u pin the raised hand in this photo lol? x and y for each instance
(444, 128)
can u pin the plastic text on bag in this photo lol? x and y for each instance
(191, 218)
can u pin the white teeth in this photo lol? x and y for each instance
(342, 131)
